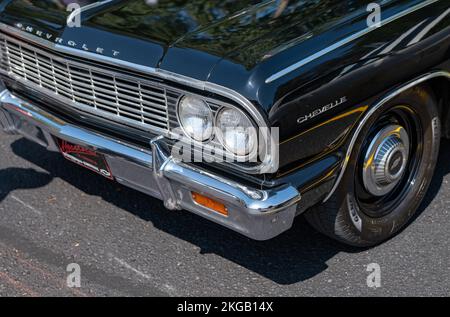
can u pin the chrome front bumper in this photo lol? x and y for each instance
(258, 214)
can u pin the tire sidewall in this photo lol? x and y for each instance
(374, 230)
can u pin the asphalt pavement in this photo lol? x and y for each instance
(54, 213)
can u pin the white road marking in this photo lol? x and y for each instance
(26, 205)
(166, 287)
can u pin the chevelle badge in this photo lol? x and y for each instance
(324, 109)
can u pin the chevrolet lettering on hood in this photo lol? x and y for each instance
(67, 42)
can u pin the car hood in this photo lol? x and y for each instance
(233, 43)
(175, 35)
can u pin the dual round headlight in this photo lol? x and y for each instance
(236, 132)
(196, 118)
(232, 127)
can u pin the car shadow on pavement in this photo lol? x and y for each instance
(21, 178)
(296, 255)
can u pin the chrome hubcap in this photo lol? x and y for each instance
(386, 160)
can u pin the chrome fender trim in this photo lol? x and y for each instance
(424, 78)
(345, 41)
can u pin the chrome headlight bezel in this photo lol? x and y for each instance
(264, 158)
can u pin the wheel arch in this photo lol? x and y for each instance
(439, 81)
(441, 90)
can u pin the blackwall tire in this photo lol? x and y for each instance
(354, 215)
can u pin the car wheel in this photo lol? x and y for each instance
(388, 174)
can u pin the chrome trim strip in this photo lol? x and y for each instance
(377, 106)
(345, 41)
(270, 158)
(85, 8)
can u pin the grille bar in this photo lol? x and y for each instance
(113, 95)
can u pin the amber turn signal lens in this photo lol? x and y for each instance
(210, 204)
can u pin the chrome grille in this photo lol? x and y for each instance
(98, 90)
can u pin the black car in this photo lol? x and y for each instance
(247, 113)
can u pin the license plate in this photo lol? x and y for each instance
(85, 157)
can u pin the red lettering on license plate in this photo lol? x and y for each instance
(85, 157)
